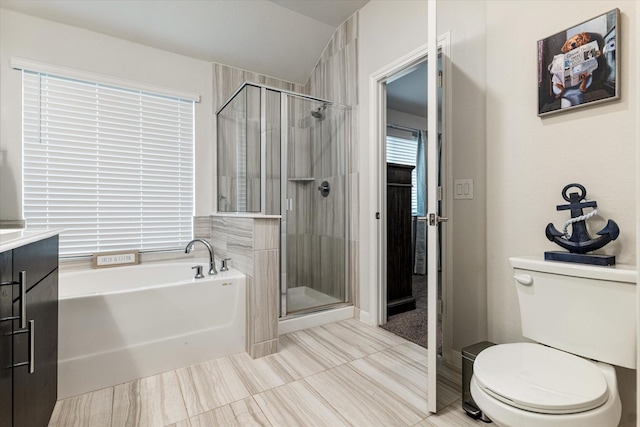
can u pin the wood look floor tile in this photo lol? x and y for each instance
(243, 413)
(377, 338)
(182, 423)
(151, 401)
(209, 385)
(299, 360)
(361, 401)
(395, 372)
(343, 373)
(447, 392)
(90, 410)
(261, 374)
(298, 404)
(451, 416)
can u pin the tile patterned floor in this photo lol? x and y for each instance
(341, 374)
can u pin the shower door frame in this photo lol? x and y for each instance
(284, 203)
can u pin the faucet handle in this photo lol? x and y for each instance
(225, 264)
(199, 274)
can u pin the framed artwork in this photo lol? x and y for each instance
(579, 66)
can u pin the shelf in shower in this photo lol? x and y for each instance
(302, 180)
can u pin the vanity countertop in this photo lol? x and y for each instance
(12, 238)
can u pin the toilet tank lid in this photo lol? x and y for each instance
(617, 273)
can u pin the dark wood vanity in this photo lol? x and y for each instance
(28, 332)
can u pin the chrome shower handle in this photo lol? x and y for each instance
(324, 188)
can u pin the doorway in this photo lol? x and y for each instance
(406, 131)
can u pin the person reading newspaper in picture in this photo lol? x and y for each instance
(572, 70)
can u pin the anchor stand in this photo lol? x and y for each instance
(580, 242)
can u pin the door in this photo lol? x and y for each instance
(6, 341)
(35, 393)
(435, 200)
(314, 206)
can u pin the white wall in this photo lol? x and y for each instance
(401, 118)
(638, 210)
(530, 159)
(65, 46)
(388, 30)
(467, 291)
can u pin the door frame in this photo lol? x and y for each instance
(377, 131)
(378, 134)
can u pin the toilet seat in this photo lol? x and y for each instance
(540, 379)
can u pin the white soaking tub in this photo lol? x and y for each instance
(120, 324)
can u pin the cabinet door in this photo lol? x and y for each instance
(38, 259)
(34, 395)
(6, 376)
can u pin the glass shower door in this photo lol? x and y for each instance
(314, 206)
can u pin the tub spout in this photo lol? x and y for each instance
(212, 265)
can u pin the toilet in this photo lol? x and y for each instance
(583, 321)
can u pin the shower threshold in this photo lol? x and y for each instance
(316, 316)
(305, 298)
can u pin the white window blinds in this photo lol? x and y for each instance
(404, 151)
(111, 166)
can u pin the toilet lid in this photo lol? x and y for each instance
(540, 379)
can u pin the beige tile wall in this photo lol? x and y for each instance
(335, 78)
(252, 246)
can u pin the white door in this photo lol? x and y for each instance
(433, 214)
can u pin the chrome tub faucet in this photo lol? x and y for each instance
(212, 265)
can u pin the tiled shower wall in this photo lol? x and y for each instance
(316, 245)
(335, 78)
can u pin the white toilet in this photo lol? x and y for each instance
(584, 318)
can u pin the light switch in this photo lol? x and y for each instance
(463, 189)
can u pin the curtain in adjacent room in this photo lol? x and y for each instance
(420, 250)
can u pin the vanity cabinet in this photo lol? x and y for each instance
(28, 392)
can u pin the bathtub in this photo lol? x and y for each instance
(120, 324)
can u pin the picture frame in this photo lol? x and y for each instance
(115, 259)
(580, 66)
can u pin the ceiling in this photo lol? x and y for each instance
(277, 38)
(408, 93)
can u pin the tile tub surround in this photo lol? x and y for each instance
(252, 244)
(343, 373)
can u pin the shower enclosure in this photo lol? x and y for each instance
(283, 153)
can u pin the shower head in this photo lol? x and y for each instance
(318, 113)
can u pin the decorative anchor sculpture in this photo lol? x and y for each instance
(580, 242)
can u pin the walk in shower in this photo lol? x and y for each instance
(283, 153)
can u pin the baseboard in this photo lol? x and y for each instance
(455, 359)
(365, 317)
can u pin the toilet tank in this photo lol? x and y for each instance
(586, 310)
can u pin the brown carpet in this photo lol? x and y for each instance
(412, 325)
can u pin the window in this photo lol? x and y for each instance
(404, 152)
(111, 166)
